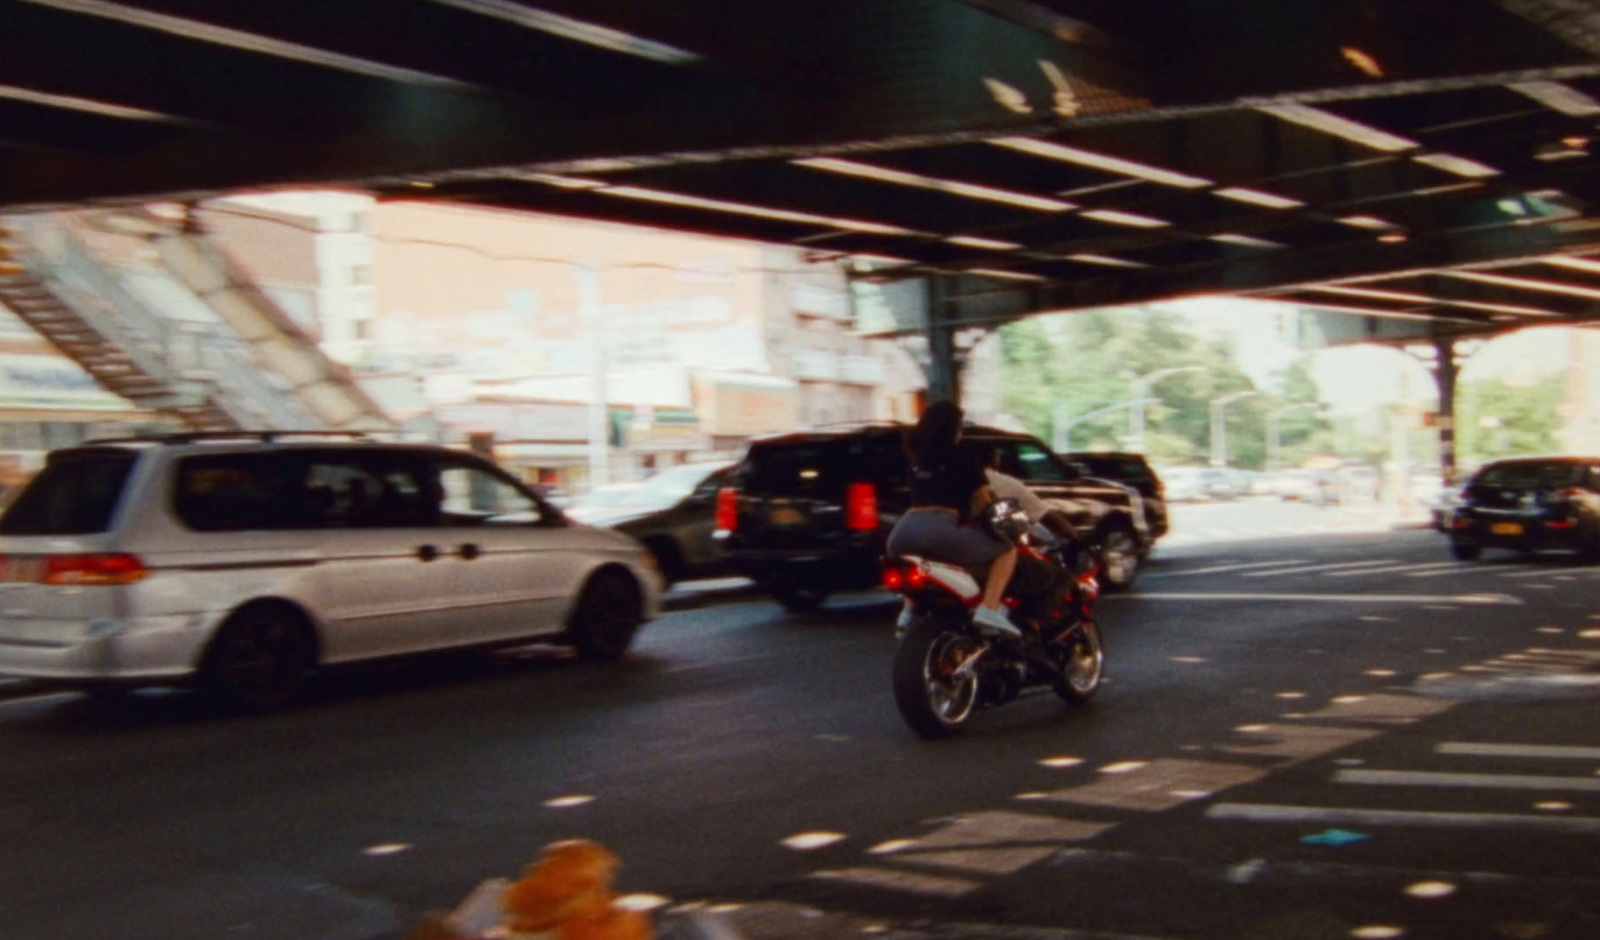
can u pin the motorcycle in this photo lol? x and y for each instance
(946, 670)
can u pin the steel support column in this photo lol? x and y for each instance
(1445, 369)
(945, 360)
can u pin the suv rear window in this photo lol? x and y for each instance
(1113, 466)
(1531, 473)
(75, 494)
(822, 468)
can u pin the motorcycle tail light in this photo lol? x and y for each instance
(861, 507)
(1570, 492)
(1561, 523)
(727, 509)
(903, 574)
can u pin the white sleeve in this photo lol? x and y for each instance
(1009, 487)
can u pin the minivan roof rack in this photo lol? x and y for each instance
(190, 437)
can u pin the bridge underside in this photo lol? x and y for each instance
(1421, 169)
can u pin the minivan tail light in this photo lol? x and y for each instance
(727, 509)
(861, 507)
(100, 568)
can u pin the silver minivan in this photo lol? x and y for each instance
(245, 561)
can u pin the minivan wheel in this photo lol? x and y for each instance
(1120, 552)
(607, 616)
(260, 659)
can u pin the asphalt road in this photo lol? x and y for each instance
(1325, 735)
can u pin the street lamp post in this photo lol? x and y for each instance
(1141, 391)
(1272, 430)
(1219, 427)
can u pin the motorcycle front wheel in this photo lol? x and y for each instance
(1082, 660)
(932, 698)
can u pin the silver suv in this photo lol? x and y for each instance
(245, 561)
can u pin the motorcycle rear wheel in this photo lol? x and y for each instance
(1083, 665)
(934, 702)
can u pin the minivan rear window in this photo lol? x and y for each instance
(75, 494)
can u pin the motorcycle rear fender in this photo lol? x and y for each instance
(952, 578)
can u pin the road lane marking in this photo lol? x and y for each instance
(1426, 778)
(893, 880)
(1218, 569)
(1385, 709)
(1310, 569)
(1530, 751)
(1269, 812)
(1297, 742)
(1485, 599)
(1160, 785)
(1398, 569)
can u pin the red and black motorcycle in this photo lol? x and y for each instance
(946, 670)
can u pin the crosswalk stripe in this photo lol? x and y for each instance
(1344, 816)
(1307, 569)
(1421, 778)
(1537, 751)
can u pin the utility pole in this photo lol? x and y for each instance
(593, 318)
(1219, 426)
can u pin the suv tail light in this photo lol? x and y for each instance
(727, 509)
(861, 507)
(94, 569)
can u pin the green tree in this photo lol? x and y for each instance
(1082, 363)
(1494, 419)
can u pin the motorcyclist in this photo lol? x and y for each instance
(946, 482)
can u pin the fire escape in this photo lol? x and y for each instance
(243, 365)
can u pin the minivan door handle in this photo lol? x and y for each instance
(468, 551)
(427, 552)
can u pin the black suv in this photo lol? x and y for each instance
(807, 513)
(1130, 470)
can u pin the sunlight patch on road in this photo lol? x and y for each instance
(386, 848)
(892, 846)
(1381, 673)
(1377, 932)
(1061, 762)
(1291, 695)
(810, 841)
(1431, 889)
(1552, 806)
(1188, 659)
(567, 802)
(1123, 767)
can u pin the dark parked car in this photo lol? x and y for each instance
(808, 513)
(673, 513)
(1530, 504)
(1130, 470)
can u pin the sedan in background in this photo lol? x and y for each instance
(673, 513)
(1530, 504)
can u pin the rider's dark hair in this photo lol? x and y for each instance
(937, 430)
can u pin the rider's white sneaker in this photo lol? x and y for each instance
(993, 620)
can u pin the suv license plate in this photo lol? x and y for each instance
(1506, 528)
(784, 515)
